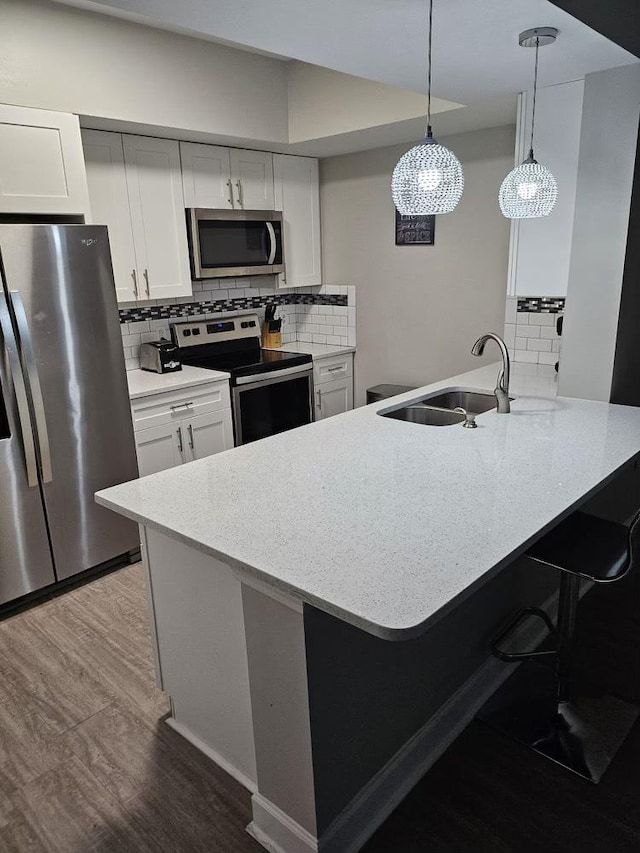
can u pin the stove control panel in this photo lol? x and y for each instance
(214, 331)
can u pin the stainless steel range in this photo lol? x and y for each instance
(271, 390)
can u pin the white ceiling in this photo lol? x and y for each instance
(476, 52)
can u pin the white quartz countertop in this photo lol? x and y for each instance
(387, 524)
(315, 350)
(144, 383)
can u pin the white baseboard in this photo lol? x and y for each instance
(221, 761)
(276, 831)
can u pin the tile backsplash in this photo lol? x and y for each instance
(530, 329)
(324, 315)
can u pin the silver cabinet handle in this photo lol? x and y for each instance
(34, 385)
(134, 276)
(20, 391)
(230, 187)
(335, 369)
(146, 280)
(180, 444)
(190, 431)
(180, 406)
(240, 198)
(319, 393)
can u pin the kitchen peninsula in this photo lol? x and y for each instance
(322, 600)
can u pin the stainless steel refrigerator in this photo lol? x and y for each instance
(65, 419)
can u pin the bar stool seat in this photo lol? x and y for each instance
(586, 546)
(536, 705)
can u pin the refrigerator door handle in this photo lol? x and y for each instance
(34, 385)
(20, 391)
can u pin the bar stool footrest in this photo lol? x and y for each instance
(527, 613)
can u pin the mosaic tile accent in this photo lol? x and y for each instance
(541, 304)
(214, 306)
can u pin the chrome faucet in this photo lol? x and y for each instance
(502, 385)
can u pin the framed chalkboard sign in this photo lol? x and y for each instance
(415, 230)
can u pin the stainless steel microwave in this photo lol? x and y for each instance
(234, 242)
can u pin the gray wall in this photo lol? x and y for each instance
(603, 197)
(420, 308)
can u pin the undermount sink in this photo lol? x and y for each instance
(437, 409)
(475, 402)
(420, 414)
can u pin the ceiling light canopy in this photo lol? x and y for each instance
(530, 190)
(427, 179)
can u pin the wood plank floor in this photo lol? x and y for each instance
(88, 766)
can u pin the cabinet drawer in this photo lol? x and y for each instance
(334, 367)
(167, 407)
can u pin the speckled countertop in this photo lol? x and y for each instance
(388, 524)
(144, 383)
(315, 350)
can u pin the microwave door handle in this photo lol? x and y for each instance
(20, 391)
(34, 385)
(272, 240)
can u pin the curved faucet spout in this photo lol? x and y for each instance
(502, 385)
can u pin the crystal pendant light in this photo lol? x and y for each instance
(428, 178)
(530, 190)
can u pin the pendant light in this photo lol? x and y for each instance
(530, 190)
(428, 178)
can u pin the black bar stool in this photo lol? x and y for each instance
(536, 705)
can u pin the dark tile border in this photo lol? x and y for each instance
(191, 309)
(541, 304)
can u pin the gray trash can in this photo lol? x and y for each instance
(381, 392)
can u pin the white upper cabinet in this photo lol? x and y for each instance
(104, 158)
(41, 163)
(297, 195)
(154, 182)
(252, 178)
(135, 188)
(206, 176)
(221, 178)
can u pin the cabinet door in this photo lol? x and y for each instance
(154, 182)
(159, 448)
(104, 159)
(206, 176)
(252, 176)
(41, 164)
(297, 195)
(333, 398)
(209, 434)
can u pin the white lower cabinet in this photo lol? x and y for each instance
(159, 448)
(333, 384)
(176, 427)
(209, 434)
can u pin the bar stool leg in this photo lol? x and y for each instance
(567, 613)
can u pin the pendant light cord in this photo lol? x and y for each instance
(535, 93)
(429, 70)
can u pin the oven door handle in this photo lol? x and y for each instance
(275, 374)
(272, 240)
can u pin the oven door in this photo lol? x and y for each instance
(226, 243)
(271, 403)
